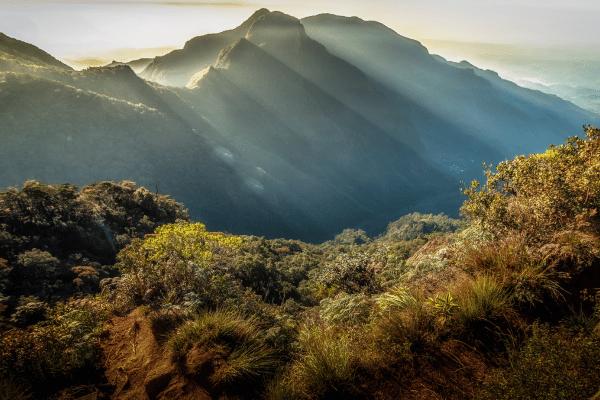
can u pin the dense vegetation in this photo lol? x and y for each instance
(501, 305)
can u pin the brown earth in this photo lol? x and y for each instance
(139, 366)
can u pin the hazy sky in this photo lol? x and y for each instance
(70, 28)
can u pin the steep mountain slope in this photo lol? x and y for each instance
(56, 133)
(177, 67)
(276, 134)
(16, 51)
(301, 134)
(457, 95)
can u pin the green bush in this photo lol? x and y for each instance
(540, 195)
(180, 262)
(549, 365)
(59, 347)
(346, 309)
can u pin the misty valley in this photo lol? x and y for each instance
(311, 208)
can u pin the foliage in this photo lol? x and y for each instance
(277, 269)
(238, 339)
(324, 366)
(57, 241)
(348, 309)
(540, 194)
(349, 237)
(549, 365)
(481, 300)
(356, 272)
(415, 225)
(444, 307)
(522, 274)
(59, 347)
(179, 260)
(395, 299)
(413, 326)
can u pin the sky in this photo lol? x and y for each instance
(87, 28)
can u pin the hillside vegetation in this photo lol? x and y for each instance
(112, 291)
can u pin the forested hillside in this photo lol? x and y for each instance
(431, 307)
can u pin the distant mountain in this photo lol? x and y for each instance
(299, 133)
(177, 67)
(515, 122)
(136, 65)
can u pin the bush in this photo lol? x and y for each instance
(541, 194)
(549, 365)
(180, 260)
(413, 326)
(63, 345)
(346, 309)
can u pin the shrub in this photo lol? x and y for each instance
(522, 274)
(395, 299)
(346, 309)
(413, 326)
(63, 345)
(541, 194)
(180, 259)
(549, 365)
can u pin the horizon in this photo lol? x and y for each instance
(107, 28)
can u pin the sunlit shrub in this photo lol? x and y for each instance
(348, 309)
(181, 259)
(541, 194)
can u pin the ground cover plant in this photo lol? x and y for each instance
(503, 304)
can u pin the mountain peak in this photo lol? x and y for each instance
(235, 51)
(279, 32)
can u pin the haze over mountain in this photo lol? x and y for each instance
(279, 127)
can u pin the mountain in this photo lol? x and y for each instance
(136, 65)
(457, 95)
(279, 127)
(57, 133)
(13, 51)
(177, 67)
(299, 133)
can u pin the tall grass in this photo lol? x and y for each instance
(11, 390)
(480, 300)
(325, 366)
(237, 338)
(412, 326)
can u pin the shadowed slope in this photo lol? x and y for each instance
(457, 95)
